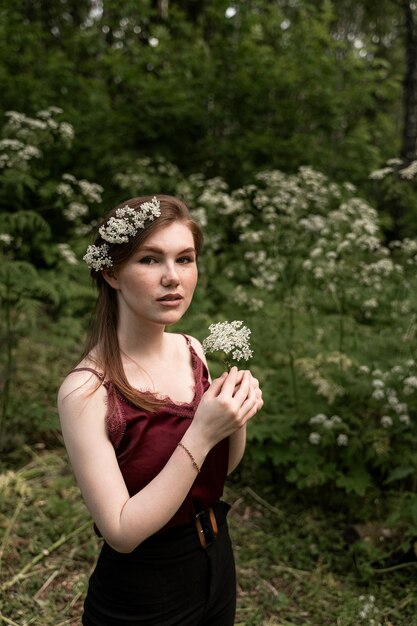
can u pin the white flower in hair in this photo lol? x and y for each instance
(97, 257)
(230, 338)
(128, 221)
(118, 229)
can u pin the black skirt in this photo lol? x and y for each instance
(168, 580)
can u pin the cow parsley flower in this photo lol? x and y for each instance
(128, 220)
(75, 210)
(314, 438)
(67, 254)
(404, 419)
(378, 394)
(232, 338)
(411, 381)
(65, 190)
(67, 131)
(410, 171)
(97, 257)
(386, 421)
(342, 439)
(320, 418)
(6, 238)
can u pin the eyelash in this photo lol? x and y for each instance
(148, 260)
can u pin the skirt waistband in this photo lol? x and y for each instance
(181, 538)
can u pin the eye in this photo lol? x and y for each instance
(183, 260)
(147, 260)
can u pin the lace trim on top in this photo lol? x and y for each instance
(195, 361)
(115, 415)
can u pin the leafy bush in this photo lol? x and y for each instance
(305, 261)
(301, 259)
(40, 281)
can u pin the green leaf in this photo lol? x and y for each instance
(357, 481)
(399, 473)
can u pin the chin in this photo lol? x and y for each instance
(169, 320)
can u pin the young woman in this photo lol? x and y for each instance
(149, 437)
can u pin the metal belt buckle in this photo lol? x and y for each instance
(206, 525)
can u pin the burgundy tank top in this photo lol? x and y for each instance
(145, 441)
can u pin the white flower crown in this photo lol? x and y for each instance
(119, 229)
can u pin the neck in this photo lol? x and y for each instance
(145, 342)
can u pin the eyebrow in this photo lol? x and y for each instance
(160, 251)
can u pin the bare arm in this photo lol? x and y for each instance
(126, 521)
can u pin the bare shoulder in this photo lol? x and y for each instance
(79, 389)
(198, 348)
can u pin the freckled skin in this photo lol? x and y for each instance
(165, 264)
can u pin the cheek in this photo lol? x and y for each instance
(192, 278)
(137, 283)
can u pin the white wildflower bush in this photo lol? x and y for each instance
(41, 283)
(146, 175)
(305, 230)
(74, 198)
(395, 188)
(31, 149)
(302, 260)
(305, 262)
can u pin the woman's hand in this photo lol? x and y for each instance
(227, 405)
(255, 387)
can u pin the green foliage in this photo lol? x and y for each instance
(322, 292)
(332, 317)
(395, 191)
(38, 275)
(329, 303)
(269, 105)
(293, 564)
(331, 310)
(276, 85)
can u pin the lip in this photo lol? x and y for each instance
(171, 300)
(171, 297)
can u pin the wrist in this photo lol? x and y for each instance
(196, 444)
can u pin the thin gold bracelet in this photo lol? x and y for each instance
(194, 462)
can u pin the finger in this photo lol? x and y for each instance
(254, 381)
(230, 381)
(250, 413)
(249, 409)
(217, 384)
(244, 389)
(260, 398)
(239, 377)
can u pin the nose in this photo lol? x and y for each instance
(170, 275)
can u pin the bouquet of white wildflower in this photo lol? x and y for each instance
(232, 338)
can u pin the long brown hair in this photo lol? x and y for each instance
(102, 345)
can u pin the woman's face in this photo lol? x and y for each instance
(157, 284)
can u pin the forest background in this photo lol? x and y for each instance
(290, 128)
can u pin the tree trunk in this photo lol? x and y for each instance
(163, 8)
(409, 140)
